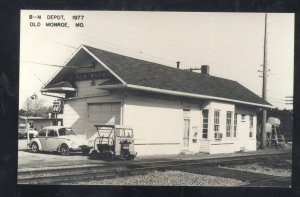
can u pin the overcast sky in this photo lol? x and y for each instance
(230, 43)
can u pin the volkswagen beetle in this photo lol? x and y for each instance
(61, 139)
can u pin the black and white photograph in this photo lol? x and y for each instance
(136, 98)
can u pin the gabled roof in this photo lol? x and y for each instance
(152, 76)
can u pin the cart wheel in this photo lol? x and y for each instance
(94, 154)
(108, 156)
(130, 157)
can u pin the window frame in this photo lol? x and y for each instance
(228, 124)
(48, 130)
(235, 125)
(218, 134)
(41, 132)
(251, 126)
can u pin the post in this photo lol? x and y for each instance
(264, 89)
(27, 124)
(34, 96)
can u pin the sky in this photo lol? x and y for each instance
(230, 43)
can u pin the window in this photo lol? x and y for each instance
(243, 117)
(205, 123)
(124, 132)
(251, 127)
(228, 123)
(52, 133)
(42, 133)
(235, 125)
(218, 135)
(186, 113)
(65, 131)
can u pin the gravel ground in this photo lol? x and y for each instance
(167, 178)
(262, 169)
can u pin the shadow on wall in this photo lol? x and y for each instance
(82, 117)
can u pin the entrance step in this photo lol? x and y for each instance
(186, 152)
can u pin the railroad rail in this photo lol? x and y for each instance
(125, 168)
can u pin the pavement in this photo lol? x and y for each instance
(28, 160)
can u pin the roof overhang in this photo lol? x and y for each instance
(171, 92)
(116, 86)
(177, 93)
(58, 89)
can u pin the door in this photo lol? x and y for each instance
(243, 132)
(186, 133)
(42, 138)
(102, 113)
(52, 140)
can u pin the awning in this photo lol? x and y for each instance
(60, 87)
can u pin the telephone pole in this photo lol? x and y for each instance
(264, 89)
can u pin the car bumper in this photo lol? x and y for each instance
(80, 148)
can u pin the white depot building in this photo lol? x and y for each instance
(171, 110)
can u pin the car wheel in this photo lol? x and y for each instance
(64, 150)
(85, 151)
(35, 147)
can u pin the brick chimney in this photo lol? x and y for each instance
(178, 64)
(205, 69)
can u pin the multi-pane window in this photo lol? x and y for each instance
(235, 125)
(228, 123)
(217, 124)
(251, 127)
(205, 123)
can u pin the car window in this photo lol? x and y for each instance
(124, 132)
(52, 133)
(65, 131)
(42, 132)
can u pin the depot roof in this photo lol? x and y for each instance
(149, 76)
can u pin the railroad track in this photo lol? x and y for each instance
(125, 168)
(273, 182)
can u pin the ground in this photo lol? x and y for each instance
(46, 160)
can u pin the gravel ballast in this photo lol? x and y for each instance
(261, 169)
(167, 178)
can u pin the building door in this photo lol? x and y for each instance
(243, 132)
(186, 133)
(102, 113)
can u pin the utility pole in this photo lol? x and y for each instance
(264, 90)
(34, 96)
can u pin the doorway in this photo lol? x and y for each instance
(186, 133)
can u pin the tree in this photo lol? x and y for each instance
(286, 118)
(35, 107)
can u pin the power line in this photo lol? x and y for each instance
(178, 47)
(275, 99)
(37, 77)
(63, 44)
(44, 64)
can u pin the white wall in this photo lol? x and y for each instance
(86, 89)
(157, 123)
